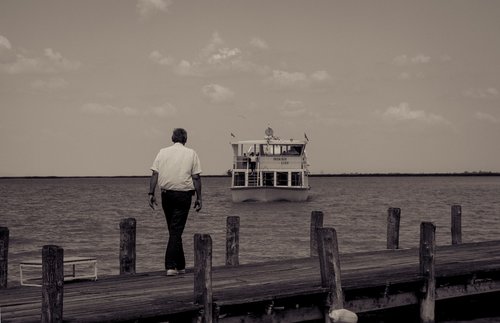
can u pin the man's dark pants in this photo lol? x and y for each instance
(176, 206)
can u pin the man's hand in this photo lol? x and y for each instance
(152, 201)
(197, 205)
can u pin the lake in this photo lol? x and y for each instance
(82, 215)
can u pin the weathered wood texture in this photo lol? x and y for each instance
(52, 284)
(329, 262)
(456, 224)
(427, 271)
(4, 256)
(316, 223)
(154, 295)
(203, 275)
(232, 240)
(127, 246)
(393, 220)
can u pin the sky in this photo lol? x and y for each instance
(95, 88)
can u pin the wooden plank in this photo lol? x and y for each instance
(4, 256)
(153, 294)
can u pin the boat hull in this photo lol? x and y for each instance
(269, 194)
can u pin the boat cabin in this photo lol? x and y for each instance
(269, 163)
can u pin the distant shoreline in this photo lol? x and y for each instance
(310, 175)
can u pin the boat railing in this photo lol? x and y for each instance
(269, 178)
(240, 162)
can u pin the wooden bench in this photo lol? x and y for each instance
(68, 261)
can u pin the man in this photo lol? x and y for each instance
(176, 170)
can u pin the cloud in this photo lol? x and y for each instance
(488, 93)
(259, 43)
(486, 117)
(214, 42)
(7, 54)
(296, 80)
(410, 62)
(162, 111)
(321, 76)
(283, 79)
(410, 75)
(291, 108)
(217, 93)
(50, 84)
(4, 43)
(158, 58)
(59, 62)
(403, 60)
(402, 112)
(97, 108)
(185, 68)
(131, 112)
(214, 58)
(50, 62)
(420, 59)
(223, 55)
(148, 7)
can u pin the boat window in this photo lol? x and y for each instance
(293, 150)
(276, 150)
(268, 178)
(239, 179)
(282, 178)
(296, 179)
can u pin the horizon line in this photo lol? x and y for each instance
(465, 173)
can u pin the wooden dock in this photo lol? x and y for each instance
(289, 289)
(292, 290)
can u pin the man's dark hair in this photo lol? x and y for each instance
(179, 135)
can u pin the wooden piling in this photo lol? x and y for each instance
(393, 220)
(427, 271)
(127, 246)
(329, 261)
(4, 256)
(316, 222)
(232, 240)
(52, 283)
(203, 275)
(456, 224)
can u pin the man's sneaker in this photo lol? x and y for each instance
(181, 271)
(172, 272)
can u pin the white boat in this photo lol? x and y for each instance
(270, 169)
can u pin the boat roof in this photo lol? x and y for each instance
(270, 142)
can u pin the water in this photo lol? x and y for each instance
(82, 215)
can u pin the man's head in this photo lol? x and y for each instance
(179, 135)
